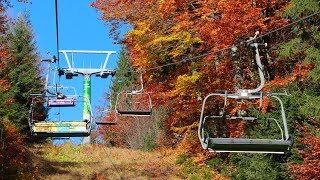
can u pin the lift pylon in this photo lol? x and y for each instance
(72, 70)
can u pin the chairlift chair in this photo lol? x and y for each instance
(247, 145)
(58, 95)
(217, 144)
(45, 128)
(134, 103)
(107, 114)
(62, 97)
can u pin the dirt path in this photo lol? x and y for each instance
(96, 162)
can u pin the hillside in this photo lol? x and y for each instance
(98, 162)
(257, 61)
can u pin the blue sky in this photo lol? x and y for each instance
(79, 29)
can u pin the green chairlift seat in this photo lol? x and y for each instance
(248, 145)
(105, 123)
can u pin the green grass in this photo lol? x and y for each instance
(99, 162)
(191, 170)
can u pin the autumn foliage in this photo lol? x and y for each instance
(309, 169)
(15, 159)
(188, 32)
(183, 48)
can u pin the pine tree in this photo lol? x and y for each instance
(23, 70)
(124, 77)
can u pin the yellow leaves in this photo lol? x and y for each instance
(184, 129)
(181, 41)
(185, 84)
(141, 29)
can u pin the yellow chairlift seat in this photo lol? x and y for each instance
(43, 127)
(61, 129)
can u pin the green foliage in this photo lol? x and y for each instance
(124, 77)
(124, 73)
(290, 49)
(302, 7)
(218, 164)
(190, 170)
(182, 158)
(257, 166)
(23, 69)
(149, 142)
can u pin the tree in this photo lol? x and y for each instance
(165, 32)
(189, 32)
(124, 77)
(23, 69)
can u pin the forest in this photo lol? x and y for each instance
(181, 51)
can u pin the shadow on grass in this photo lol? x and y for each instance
(102, 168)
(134, 170)
(47, 168)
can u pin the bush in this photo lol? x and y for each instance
(15, 160)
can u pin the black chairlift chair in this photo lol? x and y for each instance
(46, 128)
(108, 114)
(134, 103)
(225, 144)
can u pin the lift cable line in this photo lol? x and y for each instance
(287, 25)
(227, 48)
(57, 31)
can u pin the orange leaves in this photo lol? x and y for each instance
(13, 154)
(300, 71)
(4, 85)
(164, 32)
(309, 169)
(225, 21)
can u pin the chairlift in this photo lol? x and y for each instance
(42, 126)
(58, 95)
(63, 97)
(108, 116)
(215, 143)
(134, 103)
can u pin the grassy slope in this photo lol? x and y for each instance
(97, 162)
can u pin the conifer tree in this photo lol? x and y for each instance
(23, 70)
(124, 77)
